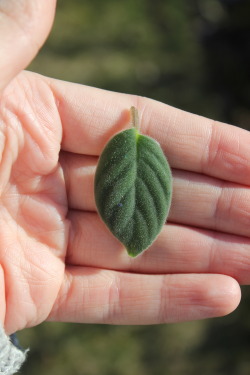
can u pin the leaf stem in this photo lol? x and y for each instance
(134, 118)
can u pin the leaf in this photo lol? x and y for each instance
(133, 189)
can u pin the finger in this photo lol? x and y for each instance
(178, 249)
(198, 200)
(23, 28)
(210, 203)
(91, 116)
(91, 295)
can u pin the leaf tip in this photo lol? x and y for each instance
(133, 253)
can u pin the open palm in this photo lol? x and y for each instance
(58, 261)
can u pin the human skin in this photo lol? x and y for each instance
(58, 261)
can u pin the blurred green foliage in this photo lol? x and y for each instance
(191, 54)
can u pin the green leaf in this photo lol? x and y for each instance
(133, 189)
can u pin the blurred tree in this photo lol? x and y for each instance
(226, 43)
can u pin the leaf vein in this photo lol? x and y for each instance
(151, 196)
(161, 183)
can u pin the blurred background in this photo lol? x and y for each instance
(194, 55)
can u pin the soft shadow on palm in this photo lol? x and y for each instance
(34, 230)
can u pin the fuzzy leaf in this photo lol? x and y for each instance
(133, 189)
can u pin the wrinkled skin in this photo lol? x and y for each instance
(58, 261)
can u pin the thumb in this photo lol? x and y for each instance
(24, 26)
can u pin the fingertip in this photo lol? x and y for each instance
(225, 295)
(201, 296)
(24, 27)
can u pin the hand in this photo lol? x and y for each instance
(58, 260)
